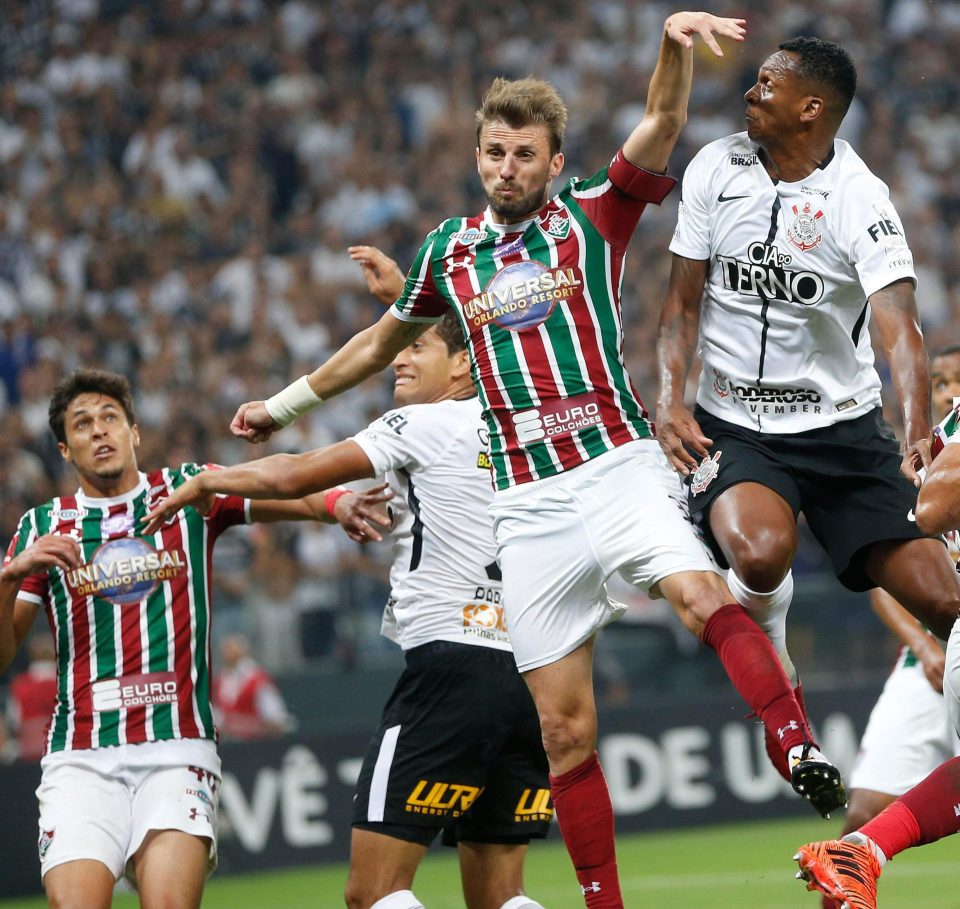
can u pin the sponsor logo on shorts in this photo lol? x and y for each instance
(200, 794)
(135, 691)
(442, 799)
(45, 841)
(197, 813)
(553, 419)
(846, 405)
(706, 473)
(534, 805)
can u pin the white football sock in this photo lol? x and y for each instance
(769, 611)
(861, 839)
(521, 902)
(400, 899)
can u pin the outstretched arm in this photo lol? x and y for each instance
(677, 430)
(365, 354)
(650, 144)
(894, 310)
(280, 476)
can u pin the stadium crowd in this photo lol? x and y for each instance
(179, 182)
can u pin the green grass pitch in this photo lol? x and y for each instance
(746, 866)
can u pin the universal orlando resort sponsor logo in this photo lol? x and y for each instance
(125, 571)
(522, 295)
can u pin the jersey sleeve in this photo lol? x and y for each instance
(33, 588)
(227, 510)
(615, 197)
(421, 300)
(691, 238)
(873, 235)
(407, 437)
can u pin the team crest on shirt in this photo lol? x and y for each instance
(45, 841)
(706, 473)
(555, 221)
(806, 232)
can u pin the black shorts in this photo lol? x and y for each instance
(845, 478)
(458, 750)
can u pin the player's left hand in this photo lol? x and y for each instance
(361, 514)
(916, 456)
(253, 422)
(681, 27)
(383, 276)
(190, 493)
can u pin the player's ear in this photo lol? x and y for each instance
(813, 108)
(556, 164)
(461, 364)
(65, 452)
(135, 432)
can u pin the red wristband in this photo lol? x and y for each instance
(330, 498)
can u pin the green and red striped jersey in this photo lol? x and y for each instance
(132, 623)
(539, 303)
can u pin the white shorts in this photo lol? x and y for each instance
(559, 539)
(908, 735)
(101, 803)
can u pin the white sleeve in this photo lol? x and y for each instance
(691, 238)
(873, 235)
(407, 437)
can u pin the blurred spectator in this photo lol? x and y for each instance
(247, 702)
(32, 697)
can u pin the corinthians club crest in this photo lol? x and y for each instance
(806, 232)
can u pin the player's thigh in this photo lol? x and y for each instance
(554, 597)
(180, 800)
(170, 869)
(440, 731)
(908, 735)
(91, 878)
(380, 864)
(84, 816)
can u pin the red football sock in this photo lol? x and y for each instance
(925, 814)
(581, 801)
(755, 670)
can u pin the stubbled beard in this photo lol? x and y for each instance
(516, 207)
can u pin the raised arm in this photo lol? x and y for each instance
(679, 329)
(365, 354)
(894, 310)
(650, 144)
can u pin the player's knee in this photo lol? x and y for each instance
(762, 559)
(567, 734)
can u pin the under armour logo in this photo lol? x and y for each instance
(791, 725)
(592, 887)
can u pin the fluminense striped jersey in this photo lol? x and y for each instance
(539, 303)
(132, 624)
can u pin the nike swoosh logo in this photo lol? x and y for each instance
(723, 198)
(911, 516)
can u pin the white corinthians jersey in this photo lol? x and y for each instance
(445, 582)
(783, 333)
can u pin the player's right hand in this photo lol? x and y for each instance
(52, 550)
(678, 434)
(361, 516)
(253, 422)
(934, 663)
(383, 276)
(190, 493)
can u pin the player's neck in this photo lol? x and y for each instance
(94, 487)
(797, 162)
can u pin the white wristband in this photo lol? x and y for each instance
(294, 401)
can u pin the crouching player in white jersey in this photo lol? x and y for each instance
(786, 246)
(846, 870)
(458, 749)
(909, 732)
(131, 772)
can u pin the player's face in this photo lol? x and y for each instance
(101, 444)
(776, 101)
(424, 371)
(516, 168)
(945, 384)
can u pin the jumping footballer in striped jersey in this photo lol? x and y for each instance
(131, 772)
(583, 490)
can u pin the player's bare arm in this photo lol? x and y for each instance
(279, 476)
(16, 615)
(677, 430)
(365, 354)
(895, 314)
(650, 144)
(912, 634)
(382, 274)
(938, 505)
(361, 514)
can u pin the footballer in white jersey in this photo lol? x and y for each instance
(445, 584)
(458, 750)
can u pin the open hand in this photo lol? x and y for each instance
(383, 276)
(361, 514)
(678, 431)
(681, 27)
(190, 493)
